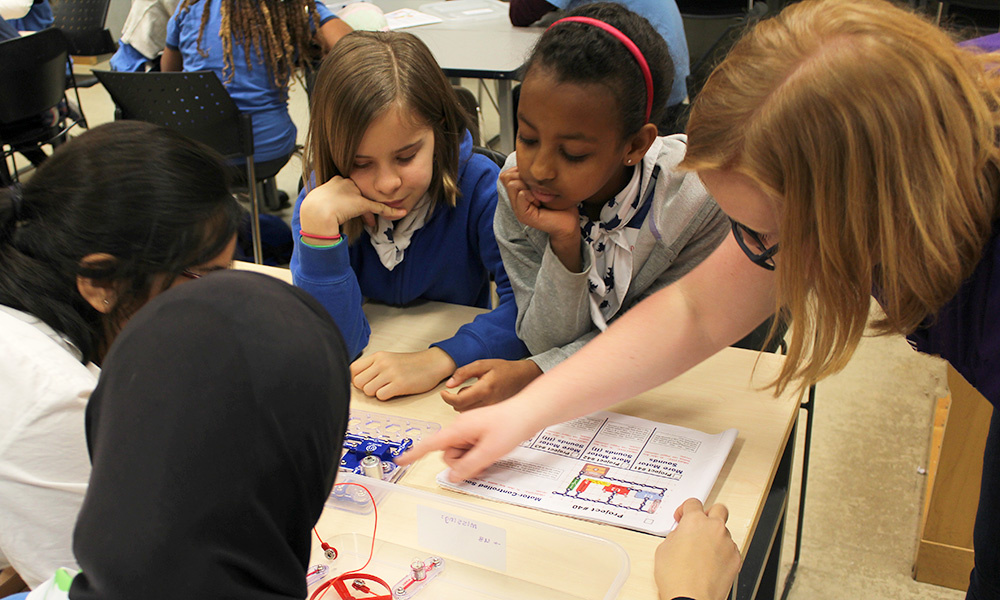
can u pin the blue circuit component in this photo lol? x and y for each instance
(357, 446)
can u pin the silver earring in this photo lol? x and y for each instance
(106, 303)
(628, 162)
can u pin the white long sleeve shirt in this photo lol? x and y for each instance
(44, 465)
(14, 9)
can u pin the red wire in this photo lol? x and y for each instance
(371, 551)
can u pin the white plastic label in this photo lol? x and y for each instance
(469, 539)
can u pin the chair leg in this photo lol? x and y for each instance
(808, 407)
(252, 186)
(6, 179)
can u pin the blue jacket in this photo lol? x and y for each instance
(450, 259)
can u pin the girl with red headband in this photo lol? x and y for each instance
(592, 216)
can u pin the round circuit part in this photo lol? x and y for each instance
(372, 466)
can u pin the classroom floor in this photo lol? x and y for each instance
(869, 448)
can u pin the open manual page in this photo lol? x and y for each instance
(609, 468)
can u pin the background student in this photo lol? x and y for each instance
(255, 47)
(215, 435)
(143, 35)
(27, 15)
(85, 245)
(861, 141)
(593, 215)
(401, 210)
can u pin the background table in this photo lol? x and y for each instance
(485, 49)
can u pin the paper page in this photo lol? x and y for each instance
(607, 467)
(407, 17)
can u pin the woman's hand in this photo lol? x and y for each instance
(498, 380)
(476, 439)
(698, 559)
(327, 207)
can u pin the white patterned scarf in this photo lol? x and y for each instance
(612, 242)
(391, 238)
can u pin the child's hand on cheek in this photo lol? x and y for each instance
(558, 223)
(562, 225)
(326, 208)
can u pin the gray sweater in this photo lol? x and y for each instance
(684, 225)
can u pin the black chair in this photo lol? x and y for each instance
(979, 14)
(724, 26)
(35, 66)
(197, 105)
(467, 100)
(82, 22)
(495, 155)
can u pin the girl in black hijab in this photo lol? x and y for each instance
(215, 434)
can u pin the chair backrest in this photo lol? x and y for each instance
(495, 155)
(82, 21)
(195, 104)
(980, 4)
(467, 100)
(703, 65)
(714, 8)
(32, 73)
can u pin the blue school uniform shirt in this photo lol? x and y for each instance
(127, 59)
(450, 259)
(252, 89)
(7, 32)
(665, 17)
(38, 18)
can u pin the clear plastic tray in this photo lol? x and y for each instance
(466, 10)
(487, 554)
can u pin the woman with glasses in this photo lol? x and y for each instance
(861, 141)
(113, 218)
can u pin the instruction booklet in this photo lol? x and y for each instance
(609, 468)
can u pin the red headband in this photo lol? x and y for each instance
(624, 39)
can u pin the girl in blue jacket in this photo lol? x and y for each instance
(403, 210)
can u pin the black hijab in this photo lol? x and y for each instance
(215, 434)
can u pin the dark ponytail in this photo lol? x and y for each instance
(152, 200)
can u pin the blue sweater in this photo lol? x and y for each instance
(450, 259)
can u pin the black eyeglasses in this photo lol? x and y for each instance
(753, 246)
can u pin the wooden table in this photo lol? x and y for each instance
(714, 396)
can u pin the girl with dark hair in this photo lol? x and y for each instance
(403, 210)
(663, 15)
(255, 47)
(215, 435)
(113, 218)
(593, 215)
